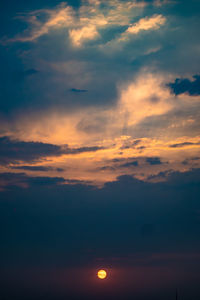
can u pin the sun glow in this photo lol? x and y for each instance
(101, 274)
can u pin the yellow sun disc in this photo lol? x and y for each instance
(102, 274)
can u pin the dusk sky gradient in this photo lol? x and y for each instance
(100, 149)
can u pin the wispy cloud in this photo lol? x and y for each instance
(184, 144)
(147, 23)
(84, 24)
(62, 16)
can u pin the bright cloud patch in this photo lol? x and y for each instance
(85, 23)
(105, 142)
(146, 96)
(63, 16)
(78, 36)
(147, 23)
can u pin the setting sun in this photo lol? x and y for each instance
(102, 274)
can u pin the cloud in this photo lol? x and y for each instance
(185, 144)
(137, 100)
(78, 36)
(144, 96)
(10, 180)
(127, 144)
(84, 23)
(74, 90)
(181, 86)
(153, 161)
(13, 151)
(147, 23)
(81, 25)
(138, 125)
(37, 168)
(62, 16)
(130, 164)
(83, 141)
(82, 150)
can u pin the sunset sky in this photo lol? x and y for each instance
(100, 149)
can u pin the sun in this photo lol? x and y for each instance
(101, 274)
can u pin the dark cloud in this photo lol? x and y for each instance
(78, 90)
(134, 162)
(153, 160)
(130, 164)
(141, 147)
(109, 168)
(12, 151)
(10, 180)
(131, 145)
(181, 86)
(127, 163)
(195, 158)
(161, 175)
(82, 149)
(180, 145)
(136, 142)
(37, 168)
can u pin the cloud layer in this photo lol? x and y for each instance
(102, 89)
(86, 23)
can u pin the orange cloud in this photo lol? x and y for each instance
(113, 129)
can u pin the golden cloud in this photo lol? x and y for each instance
(84, 24)
(112, 129)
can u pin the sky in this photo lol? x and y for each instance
(100, 149)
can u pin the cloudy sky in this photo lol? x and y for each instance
(100, 148)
